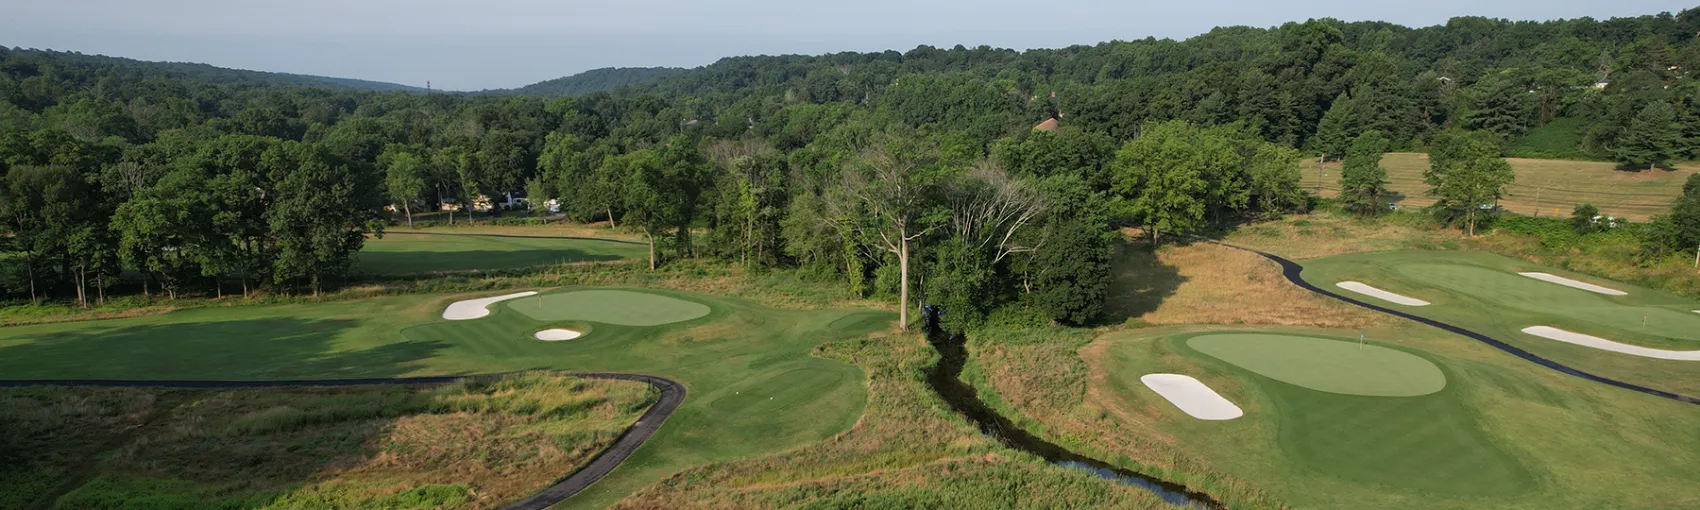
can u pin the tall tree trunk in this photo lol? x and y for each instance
(409, 212)
(29, 265)
(82, 287)
(1472, 221)
(903, 283)
(611, 221)
(100, 288)
(651, 237)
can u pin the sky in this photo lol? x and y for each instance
(480, 44)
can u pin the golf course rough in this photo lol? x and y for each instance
(1333, 366)
(1192, 397)
(1383, 295)
(622, 307)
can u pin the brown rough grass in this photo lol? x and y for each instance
(1220, 285)
(1547, 186)
(906, 447)
(502, 440)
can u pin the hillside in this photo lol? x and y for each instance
(595, 80)
(104, 65)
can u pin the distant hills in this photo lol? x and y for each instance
(594, 80)
(202, 72)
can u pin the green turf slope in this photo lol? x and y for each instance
(412, 253)
(753, 385)
(1325, 365)
(1483, 292)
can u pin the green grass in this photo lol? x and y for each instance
(738, 347)
(621, 307)
(1559, 139)
(1483, 292)
(1503, 434)
(1428, 443)
(441, 446)
(1325, 365)
(419, 253)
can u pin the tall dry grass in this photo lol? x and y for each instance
(1220, 285)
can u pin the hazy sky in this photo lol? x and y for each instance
(476, 44)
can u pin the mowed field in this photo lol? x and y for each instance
(472, 443)
(1484, 293)
(1549, 187)
(484, 249)
(753, 385)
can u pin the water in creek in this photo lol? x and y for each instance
(945, 380)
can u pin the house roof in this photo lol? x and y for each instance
(1047, 125)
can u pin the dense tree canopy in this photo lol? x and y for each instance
(914, 175)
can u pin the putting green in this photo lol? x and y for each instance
(622, 307)
(1320, 364)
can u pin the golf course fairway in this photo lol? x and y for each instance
(1485, 293)
(403, 252)
(753, 385)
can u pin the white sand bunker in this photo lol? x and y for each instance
(557, 334)
(475, 308)
(1381, 294)
(1192, 397)
(1601, 343)
(1575, 284)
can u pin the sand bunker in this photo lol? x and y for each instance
(1381, 294)
(1192, 397)
(1603, 344)
(1575, 284)
(557, 334)
(476, 308)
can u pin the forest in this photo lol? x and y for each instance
(916, 175)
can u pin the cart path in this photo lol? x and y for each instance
(672, 394)
(1291, 270)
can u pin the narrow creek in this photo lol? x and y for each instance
(945, 378)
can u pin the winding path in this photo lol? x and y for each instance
(672, 394)
(1292, 270)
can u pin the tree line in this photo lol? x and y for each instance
(916, 175)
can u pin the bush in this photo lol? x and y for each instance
(1585, 219)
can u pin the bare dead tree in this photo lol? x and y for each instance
(989, 209)
(880, 197)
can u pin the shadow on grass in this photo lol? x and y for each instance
(1139, 282)
(273, 349)
(425, 262)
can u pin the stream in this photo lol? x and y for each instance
(945, 378)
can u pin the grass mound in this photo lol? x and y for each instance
(1325, 365)
(622, 307)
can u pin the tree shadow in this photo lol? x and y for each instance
(258, 349)
(425, 262)
(1139, 283)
